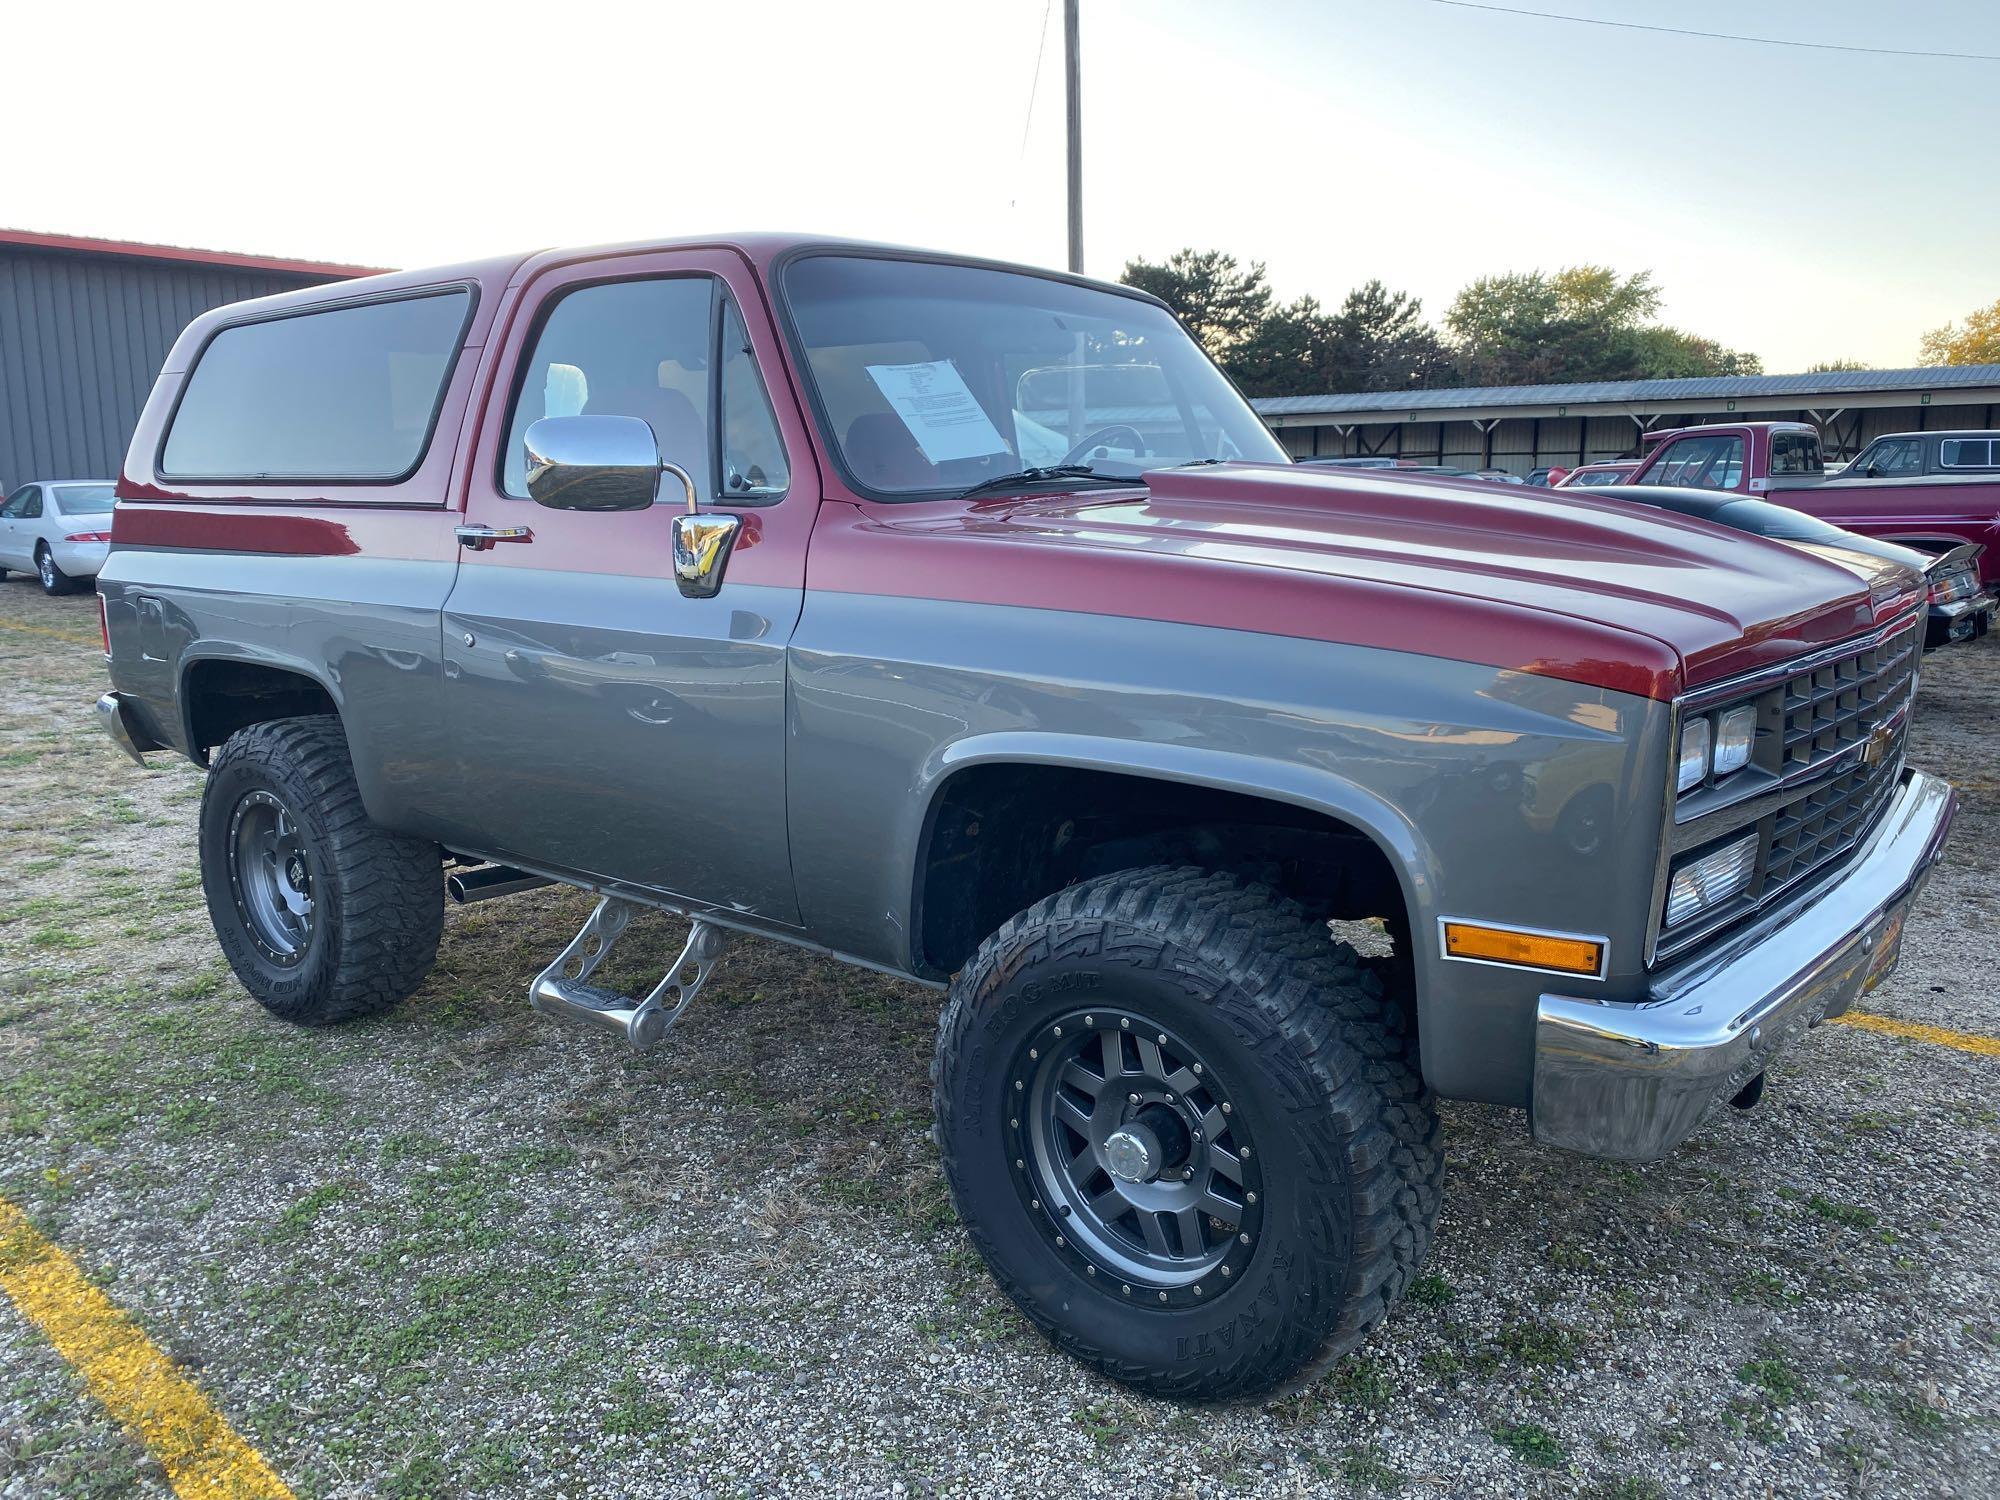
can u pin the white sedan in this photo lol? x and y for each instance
(59, 530)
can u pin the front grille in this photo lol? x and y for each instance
(1842, 703)
(1828, 755)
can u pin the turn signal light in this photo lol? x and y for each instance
(1527, 950)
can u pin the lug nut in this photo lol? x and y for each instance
(1018, 1084)
(1226, 1109)
(1126, 1022)
(1035, 1204)
(1060, 1242)
(1128, 1291)
(1090, 1020)
(1019, 1164)
(1163, 1296)
(1244, 1153)
(1163, 1039)
(1090, 1270)
(1170, 1098)
(1034, 1053)
(1197, 1068)
(1014, 1124)
(1131, 1098)
(1249, 1197)
(1197, 1290)
(1244, 1238)
(1059, 1031)
(1226, 1271)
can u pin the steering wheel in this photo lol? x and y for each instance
(1093, 439)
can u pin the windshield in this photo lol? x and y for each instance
(938, 377)
(83, 499)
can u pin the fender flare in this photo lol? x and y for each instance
(235, 653)
(1312, 789)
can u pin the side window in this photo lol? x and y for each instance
(17, 503)
(621, 348)
(752, 454)
(31, 504)
(1968, 453)
(348, 393)
(1795, 453)
(1708, 463)
(1893, 456)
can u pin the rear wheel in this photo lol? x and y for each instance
(54, 580)
(1187, 1131)
(323, 916)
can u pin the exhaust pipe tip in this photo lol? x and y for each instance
(489, 881)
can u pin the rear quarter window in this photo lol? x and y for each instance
(345, 393)
(1969, 453)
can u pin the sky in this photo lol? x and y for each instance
(1804, 205)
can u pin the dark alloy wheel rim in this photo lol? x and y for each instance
(270, 878)
(1131, 1157)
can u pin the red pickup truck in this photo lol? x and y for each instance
(1932, 512)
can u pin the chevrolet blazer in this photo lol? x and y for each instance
(960, 620)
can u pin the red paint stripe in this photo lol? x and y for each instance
(283, 533)
(852, 555)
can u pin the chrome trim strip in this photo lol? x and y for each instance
(1766, 677)
(1603, 948)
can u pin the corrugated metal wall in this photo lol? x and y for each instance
(1523, 443)
(81, 338)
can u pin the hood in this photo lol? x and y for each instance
(1550, 581)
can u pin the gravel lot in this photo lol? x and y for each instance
(462, 1250)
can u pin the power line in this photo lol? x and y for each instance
(1035, 79)
(1717, 36)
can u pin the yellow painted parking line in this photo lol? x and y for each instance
(125, 1370)
(60, 635)
(1916, 1031)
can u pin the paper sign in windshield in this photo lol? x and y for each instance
(943, 416)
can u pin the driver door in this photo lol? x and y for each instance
(604, 723)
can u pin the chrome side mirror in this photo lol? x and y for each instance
(592, 463)
(614, 463)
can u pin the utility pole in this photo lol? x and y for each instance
(1074, 94)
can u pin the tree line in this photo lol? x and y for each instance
(1523, 328)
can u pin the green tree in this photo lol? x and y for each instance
(1377, 341)
(1976, 341)
(1222, 303)
(1578, 323)
(1830, 366)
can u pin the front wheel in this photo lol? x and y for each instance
(324, 916)
(1187, 1132)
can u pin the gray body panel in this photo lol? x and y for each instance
(603, 724)
(365, 629)
(1474, 781)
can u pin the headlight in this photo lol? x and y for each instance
(1694, 754)
(1733, 733)
(1702, 884)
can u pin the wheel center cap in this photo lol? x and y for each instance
(295, 872)
(1132, 1153)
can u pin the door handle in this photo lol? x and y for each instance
(479, 538)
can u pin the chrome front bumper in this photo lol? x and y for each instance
(1631, 1082)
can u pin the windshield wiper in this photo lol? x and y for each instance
(1043, 475)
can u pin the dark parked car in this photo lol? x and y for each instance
(1960, 608)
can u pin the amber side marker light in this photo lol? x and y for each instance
(1526, 950)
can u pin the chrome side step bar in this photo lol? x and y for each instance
(562, 989)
